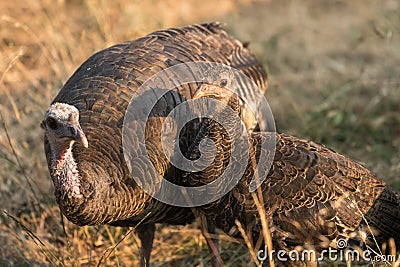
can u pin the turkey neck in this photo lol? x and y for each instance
(210, 126)
(64, 171)
(223, 136)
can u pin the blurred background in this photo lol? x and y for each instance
(333, 77)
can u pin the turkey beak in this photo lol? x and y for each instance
(79, 135)
(84, 140)
(204, 90)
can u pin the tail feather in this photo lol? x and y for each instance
(384, 218)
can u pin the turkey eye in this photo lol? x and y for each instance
(223, 83)
(52, 123)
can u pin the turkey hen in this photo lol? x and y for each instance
(311, 195)
(83, 141)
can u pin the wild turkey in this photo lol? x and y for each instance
(93, 185)
(311, 195)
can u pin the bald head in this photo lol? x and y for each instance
(61, 123)
(220, 75)
(218, 83)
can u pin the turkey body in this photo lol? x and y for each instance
(101, 89)
(311, 195)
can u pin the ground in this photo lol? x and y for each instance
(333, 77)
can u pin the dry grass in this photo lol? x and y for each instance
(334, 78)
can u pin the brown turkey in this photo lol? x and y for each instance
(311, 195)
(93, 185)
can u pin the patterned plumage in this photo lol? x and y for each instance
(312, 196)
(93, 185)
